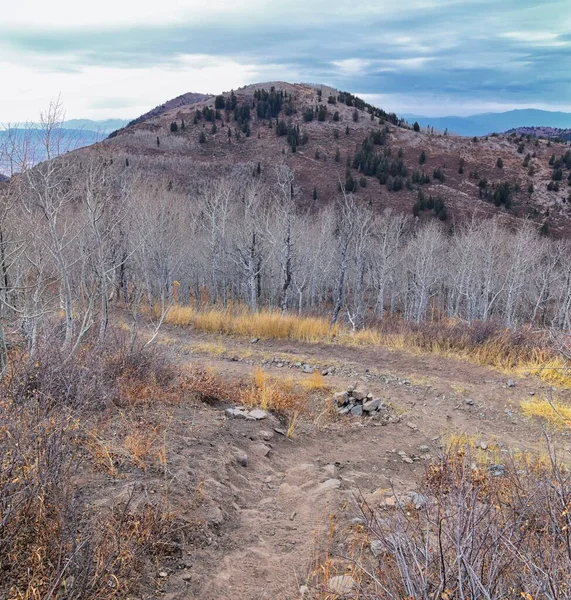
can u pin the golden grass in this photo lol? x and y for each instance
(498, 352)
(315, 382)
(554, 412)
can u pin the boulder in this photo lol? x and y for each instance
(341, 398)
(371, 405)
(359, 394)
(357, 410)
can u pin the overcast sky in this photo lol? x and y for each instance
(119, 58)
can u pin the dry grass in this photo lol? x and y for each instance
(64, 425)
(556, 413)
(315, 382)
(480, 531)
(282, 395)
(487, 344)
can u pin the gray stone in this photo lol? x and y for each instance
(469, 402)
(357, 410)
(510, 383)
(258, 414)
(254, 340)
(371, 405)
(341, 585)
(418, 500)
(376, 547)
(497, 470)
(163, 574)
(266, 435)
(412, 426)
(341, 398)
(343, 411)
(424, 449)
(235, 413)
(407, 460)
(241, 458)
(329, 484)
(307, 369)
(359, 394)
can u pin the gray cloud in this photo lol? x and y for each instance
(513, 52)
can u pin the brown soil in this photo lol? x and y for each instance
(259, 528)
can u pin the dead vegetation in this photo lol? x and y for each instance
(52, 542)
(522, 351)
(471, 531)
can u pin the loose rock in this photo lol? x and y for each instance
(371, 405)
(241, 458)
(258, 414)
(236, 413)
(341, 584)
(357, 410)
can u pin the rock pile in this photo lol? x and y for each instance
(357, 402)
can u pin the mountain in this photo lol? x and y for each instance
(178, 102)
(553, 133)
(32, 143)
(487, 123)
(104, 126)
(328, 138)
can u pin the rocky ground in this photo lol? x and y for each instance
(264, 505)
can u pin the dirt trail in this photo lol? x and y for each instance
(269, 517)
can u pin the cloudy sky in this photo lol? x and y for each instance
(119, 58)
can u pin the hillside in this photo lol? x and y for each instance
(319, 131)
(487, 123)
(553, 133)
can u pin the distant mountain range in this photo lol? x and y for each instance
(104, 126)
(71, 135)
(487, 123)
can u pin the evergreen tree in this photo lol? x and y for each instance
(202, 138)
(336, 116)
(416, 126)
(500, 163)
(158, 141)
(422, 158)
(220, 102)
(182, 125)
(355, 116)
(347, 130)
(174, 127)
(314, 193)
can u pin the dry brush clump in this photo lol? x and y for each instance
(283, 396)
(52, 543)
(496, 531)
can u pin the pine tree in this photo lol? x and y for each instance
(158, 141)
(174, 127)
(416, 126)
(422, 158)
(202, 138)
(315, 193)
